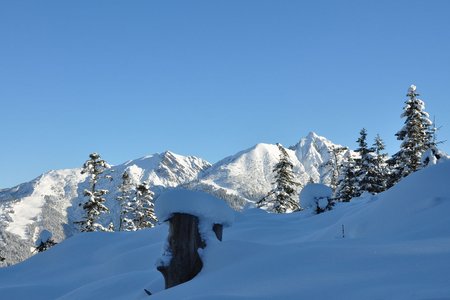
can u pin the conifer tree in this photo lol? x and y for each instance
(94, 206)
(361, 162)
(335, 164)
(2, 259)
(124, 197)
(348, 186)
(283, 197)
(378, 175)
(415, 136)
(144, 214)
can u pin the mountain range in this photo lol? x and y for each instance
(53, 200)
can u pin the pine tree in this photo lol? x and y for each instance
(2, 259)
(284, 196)
(94, 206)
(335, 164)
(361, 163)
(415, 136)
(124, 197)
(348, 186)
(378, 172)
(144, 215)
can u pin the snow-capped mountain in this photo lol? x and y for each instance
(53, 200)
(248, 175)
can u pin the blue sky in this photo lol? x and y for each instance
(209, 78)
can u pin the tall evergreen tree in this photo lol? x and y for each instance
(378, 171)
(124, 198)
(284, 196)
(348, 186)
(363, 163)
(415, 136)
(144, 215)
(334, 164)
(94, 206)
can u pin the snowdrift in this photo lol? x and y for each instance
(396, 246)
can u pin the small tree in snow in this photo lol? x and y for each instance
(363, 163)
(378, 171)
(139, 212)
(283, 197)
(2, 259)
(94, 206)
(145, 213)
(335, 164)
(415, 136)
(44, 241)
(348, 186)
(124, 197)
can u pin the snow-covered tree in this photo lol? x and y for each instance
(363, 162)
(348, 186)
(145, 214)
(415, 136)
(284, 196)
(433, 154)
(2, 259)
(44, 241)
(334, 164)
(94, 206)
(125, 188)
(379, 173)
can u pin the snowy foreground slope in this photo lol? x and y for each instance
(396, 246)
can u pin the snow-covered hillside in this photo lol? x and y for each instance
(52, 200)
(396, 246)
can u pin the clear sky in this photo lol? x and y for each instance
(209, 78)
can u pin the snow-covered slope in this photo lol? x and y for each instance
(396, 246)
(248, 175)
(52, 200)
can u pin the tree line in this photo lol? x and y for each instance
(367, 169)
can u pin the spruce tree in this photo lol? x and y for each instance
(415, 136)
(378, 172)
(144, 214)
(283, 197)
(334, 163)
(362, 163)
(348, 186)
(94, 206)
(124, 198)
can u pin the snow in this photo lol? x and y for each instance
(44, 236)
(199, 204)
(412, 88)
(27, 210)
(314, 194)
(396, 246)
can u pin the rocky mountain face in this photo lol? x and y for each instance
(53, 201)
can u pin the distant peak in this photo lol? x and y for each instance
(312, 134)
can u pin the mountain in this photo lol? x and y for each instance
(53, 201)
(248, 175)
(395, 245)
